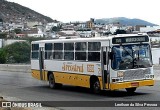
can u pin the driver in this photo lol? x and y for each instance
(126, 61)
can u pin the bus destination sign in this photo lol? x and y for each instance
(133, 39)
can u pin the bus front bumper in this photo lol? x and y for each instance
(123, 85)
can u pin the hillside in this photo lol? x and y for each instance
(13, 12)
(123, 21)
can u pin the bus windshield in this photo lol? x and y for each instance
(131, 56)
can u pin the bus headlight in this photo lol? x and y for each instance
(120, 74)
(120, 79)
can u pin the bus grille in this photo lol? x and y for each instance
(135, 74)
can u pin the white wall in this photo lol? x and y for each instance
(35, 35)
(1, 43)
(10, 41)
(156, 55)
(113, 29)
(149, 28)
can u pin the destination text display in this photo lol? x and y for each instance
(133, 39)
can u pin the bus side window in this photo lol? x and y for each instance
(48, 50)
(35, 51)
(58, 51)
(93, 56)
(94, 51)
(68, 51)
(80, 51)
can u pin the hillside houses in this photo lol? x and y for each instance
(57, 29)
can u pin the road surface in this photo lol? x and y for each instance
(18, 85)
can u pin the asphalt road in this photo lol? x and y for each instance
(17, 85)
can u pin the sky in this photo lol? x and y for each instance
(83, 10)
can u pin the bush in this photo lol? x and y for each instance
(18, 52)
(2, 56)
(17, 31)
(3, 35)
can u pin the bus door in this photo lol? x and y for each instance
(41, 62)
(105, 67)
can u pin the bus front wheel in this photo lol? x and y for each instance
(131, 90)
(95, 87)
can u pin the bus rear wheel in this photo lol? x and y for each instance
(131, 90)
(52, 83)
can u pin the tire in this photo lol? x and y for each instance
(58, 85)
(131, 90)
(95, 87)
(52, 83)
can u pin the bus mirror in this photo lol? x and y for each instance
(110, 54)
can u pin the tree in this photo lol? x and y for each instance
(17, 31)
(119, 31)
(55, 29)
(3, 35)
(2, 56)
(18, 52)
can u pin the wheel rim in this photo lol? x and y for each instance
(96, 86)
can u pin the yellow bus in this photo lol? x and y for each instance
(115, 62)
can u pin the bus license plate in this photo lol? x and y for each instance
(135, 84)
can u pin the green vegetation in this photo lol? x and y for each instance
(3, 35)
(118, 31)
(18, 52)
(2, 56)
(17, 31)
(56, 28)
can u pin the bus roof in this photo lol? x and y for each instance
(102, 38)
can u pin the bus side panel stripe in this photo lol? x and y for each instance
(72, 79)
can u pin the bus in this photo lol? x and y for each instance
(122, 61)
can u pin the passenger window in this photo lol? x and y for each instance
(35, 47)
(68, 51)
(58, 51)
(48, 50)
(35, 51)
(94, 51)
(94, 46)
(48, 46)
(80, 50)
